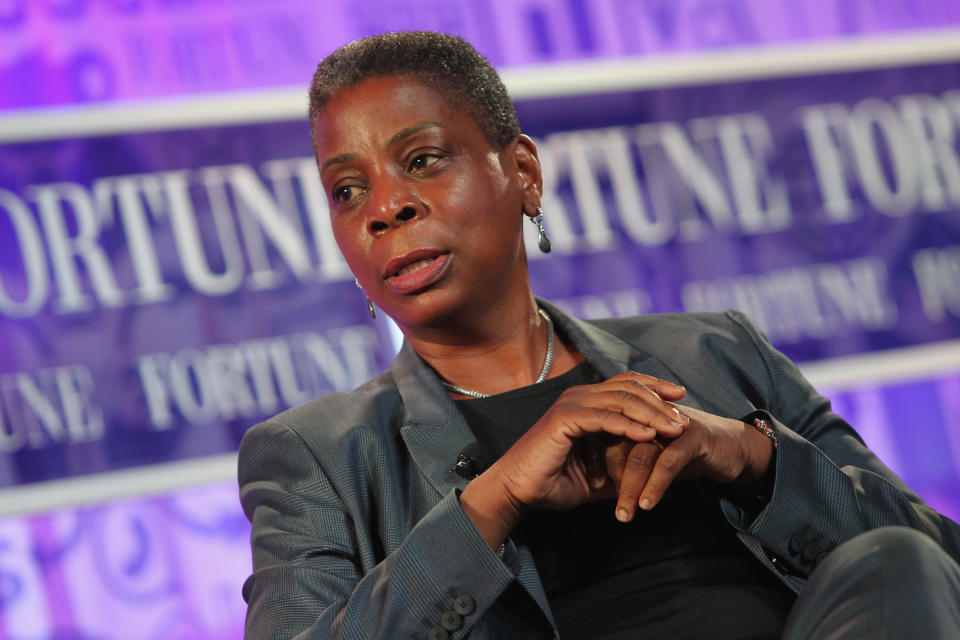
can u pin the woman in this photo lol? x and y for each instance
(376, 514)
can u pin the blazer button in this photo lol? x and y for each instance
(797, 542)
(437, 633)
(811, 551)
(463, 605)
(450, 620)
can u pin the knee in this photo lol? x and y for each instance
(899, 546)
(893, 581)
(899, 540)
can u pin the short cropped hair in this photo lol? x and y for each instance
(447, 64)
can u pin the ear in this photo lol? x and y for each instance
(528, 170)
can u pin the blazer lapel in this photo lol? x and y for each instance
(608, 354)
(433, 429)
(435, 432)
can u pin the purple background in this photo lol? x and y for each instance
(810, 238)
(67, 51)
(652, 278)
(170, 566)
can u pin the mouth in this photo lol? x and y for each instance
(410, 268)
(415, 270)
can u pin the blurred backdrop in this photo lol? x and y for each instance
(168, 277)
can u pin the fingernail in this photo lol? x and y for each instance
(597, 481)
(645, 504)
(622, 514)
(682, 418)
(678, 425)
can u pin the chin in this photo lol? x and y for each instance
(426, 310)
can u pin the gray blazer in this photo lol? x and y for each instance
(358, 531)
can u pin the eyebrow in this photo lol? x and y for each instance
(343, 157)
(412, 129)
(399, 136)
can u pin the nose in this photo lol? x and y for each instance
(379, 224)
(397, 208)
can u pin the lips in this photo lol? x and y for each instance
(416, 270)
(410, 268)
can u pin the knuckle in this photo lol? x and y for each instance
(649, 393)
(635, 462)
(642, 454)
(652, 412)
(615, 468)
(616, 452)
(605, 414)
(669, 460)
(650, 381)
(624, 447)
(636, 381)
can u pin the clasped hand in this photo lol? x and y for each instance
(622, 438)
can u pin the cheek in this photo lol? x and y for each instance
(482, 195)
(351, 243)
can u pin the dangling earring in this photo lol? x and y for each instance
(373, 312)
(542, 240)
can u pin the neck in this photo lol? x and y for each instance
(505, 353)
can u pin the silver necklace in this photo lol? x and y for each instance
(547, 361)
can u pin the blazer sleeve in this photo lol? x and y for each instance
(828, 487)
(308, 578)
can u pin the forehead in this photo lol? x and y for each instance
(374, 110)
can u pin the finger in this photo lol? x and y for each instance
(629, 384)
(615, 458)
(637, 468)
(641, 405)
(674, 458)
(576, 422)
(593, 447)
(633, 384)
(663, 388)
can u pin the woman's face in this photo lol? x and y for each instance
(427, 214)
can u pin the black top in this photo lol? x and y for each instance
(676, 571)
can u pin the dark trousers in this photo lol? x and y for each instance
(891, 582)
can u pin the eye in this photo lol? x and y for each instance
(345, 193)
(421, 161)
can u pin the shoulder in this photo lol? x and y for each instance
(324, 423)
(703, 350)
(685, 332)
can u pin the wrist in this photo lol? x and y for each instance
(760, 443)
(763, 426)
(491, 508)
